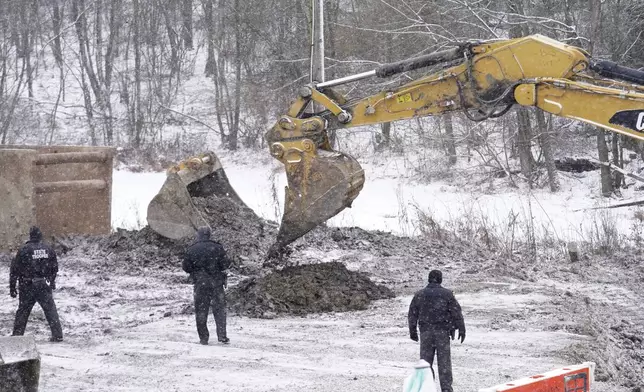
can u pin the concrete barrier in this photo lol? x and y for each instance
(62, 189)
(17, 208)
(19, 364)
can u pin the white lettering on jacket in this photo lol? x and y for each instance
(40, 254)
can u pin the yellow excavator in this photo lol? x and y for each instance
(480, 79)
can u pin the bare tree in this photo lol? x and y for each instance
(57, 25)
(524, 128)
(209, 21)
(545, 140)
(602, 148)
(450, 138)
(187, 24)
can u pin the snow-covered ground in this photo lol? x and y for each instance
(130, 333)
(391, 201)
(345, 352)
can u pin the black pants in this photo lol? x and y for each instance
(437, 341)
(209, 294)
(30, 293)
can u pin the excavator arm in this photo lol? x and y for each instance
(481, 79)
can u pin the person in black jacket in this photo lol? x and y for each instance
(436, 312)
(206, 262)
(35, 268)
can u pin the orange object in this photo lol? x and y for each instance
(577, 378)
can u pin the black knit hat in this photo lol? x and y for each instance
(35, 234)
(435, 276)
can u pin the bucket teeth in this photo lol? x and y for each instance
(319, 187)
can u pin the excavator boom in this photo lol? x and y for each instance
(489, 79)
(483, 80)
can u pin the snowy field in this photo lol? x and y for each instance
(391, 202)
(359, 351)
(132, 333)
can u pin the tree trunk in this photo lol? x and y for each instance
(602, 152)
(524, 143)
(138, 110)
(602, 148)
(12, 102)
(545, 139)
(187, 24)
(25, 42)
(175, 43)
(85, 50)
(570, 22)
(234, 129)
(616, 149)
(89, 108)
(332, 12)
(383, 140)
(524, 138)
(218, 104)
(524, 129)
(210, 69)
(110, 55)
(98, 41)
(450, 139)
(57, 21)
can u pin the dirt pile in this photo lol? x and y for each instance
(244, 235)
(125, 251)
(615, 317)
(384, 244)
(237, 227)
(618, 351)
(313, 288)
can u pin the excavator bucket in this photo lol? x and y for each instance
(171, 213)
(320, 185)
(19, 364)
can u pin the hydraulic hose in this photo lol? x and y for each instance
(442, 56)
(613, 70)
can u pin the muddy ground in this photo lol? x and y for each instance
(309, 288)
(126, 307)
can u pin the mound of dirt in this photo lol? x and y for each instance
(245, 237)
(237, 227)
(126, 251)
(313, 288)
(618, 351)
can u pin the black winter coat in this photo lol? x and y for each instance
(435, 307)
(34, 260)
(206, 259)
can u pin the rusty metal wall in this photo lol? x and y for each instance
(72, 188)
(17, 209)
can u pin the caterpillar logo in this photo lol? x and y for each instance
(632, 119)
